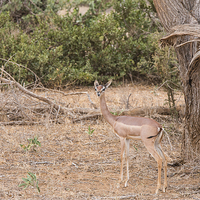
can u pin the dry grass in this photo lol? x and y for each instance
(72, 165)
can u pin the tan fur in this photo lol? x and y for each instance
(137, 128)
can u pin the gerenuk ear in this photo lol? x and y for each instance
(108, 83)
(96, 84)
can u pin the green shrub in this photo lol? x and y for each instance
(79, 48)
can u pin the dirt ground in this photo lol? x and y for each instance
(70, 164)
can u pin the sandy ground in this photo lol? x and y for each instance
(70, 164)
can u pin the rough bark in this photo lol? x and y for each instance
(181, 18)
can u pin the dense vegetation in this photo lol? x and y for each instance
(36, 42)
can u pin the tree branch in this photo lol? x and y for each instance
(67, 94)
(52, 104)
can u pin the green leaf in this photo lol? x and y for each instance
(26, 180)
(135, 147)
(33, 176)
(22, 184)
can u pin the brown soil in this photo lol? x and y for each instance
(70, 164)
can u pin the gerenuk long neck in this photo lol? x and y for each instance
(104, 110)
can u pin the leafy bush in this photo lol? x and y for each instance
(166, 65)
(22, 10)
(79, 48)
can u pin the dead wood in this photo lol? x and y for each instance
(92, 115)
(24, 90)
(152, 110)
(20, 123)
(176, 163)
(16, 113)
(87, 117)
(54, 108)
(72, 93)
(19, 108)
(142, 112)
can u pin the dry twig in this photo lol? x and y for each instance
(72, 93)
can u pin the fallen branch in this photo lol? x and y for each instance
(151, 111)
(67, 94)
(120, 197)
(20, 123)
(15, 109)
(142, 112)
(24, 90)
(87, 117)
(51, 104)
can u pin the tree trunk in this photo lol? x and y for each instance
(181, 19)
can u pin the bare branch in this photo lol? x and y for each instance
(190, 41)
(127, 103)
(24, 90)
(67, 94)
(19, 123)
